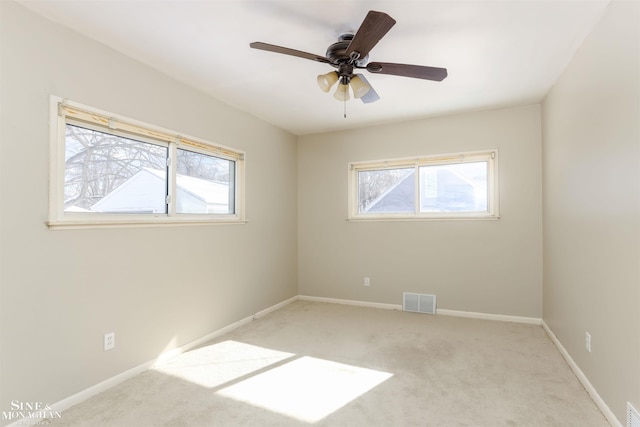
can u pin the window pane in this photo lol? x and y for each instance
(204, 184)
(386, 191)
(112, 174)
(458, 187)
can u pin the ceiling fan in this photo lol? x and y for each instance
(351, 52)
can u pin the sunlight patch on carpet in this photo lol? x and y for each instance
(307, 388)
(220, 363)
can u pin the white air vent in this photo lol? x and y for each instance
(633, 418)
(419, 303)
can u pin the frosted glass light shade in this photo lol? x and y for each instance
(342, 92)
(325, 81)
(360, 88)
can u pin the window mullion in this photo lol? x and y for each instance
(172, 165)
(416, 196)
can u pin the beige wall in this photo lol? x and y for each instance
(591, 163)
(157, 288)
(489, 266)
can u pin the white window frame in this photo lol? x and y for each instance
(63, 112)
(490, 156)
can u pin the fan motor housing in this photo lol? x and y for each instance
(337, 52)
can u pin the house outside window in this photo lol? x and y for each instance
(452, 186)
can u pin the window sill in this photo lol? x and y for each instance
(134, 223)
(423, 218)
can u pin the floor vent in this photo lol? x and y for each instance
(419, 303)
(633, 420)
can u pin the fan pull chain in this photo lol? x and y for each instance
(345, 108)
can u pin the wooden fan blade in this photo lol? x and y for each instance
(372, 95)
(405, 70)
(372, 29)
(286, 51)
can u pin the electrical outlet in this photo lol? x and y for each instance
(109, 341)
(367, 282)
(588, 342)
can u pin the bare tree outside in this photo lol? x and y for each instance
(96, 163)
(373, 184)
(203, 166)
(209, 178)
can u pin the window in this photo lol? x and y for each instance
(112, 170)
(448, 186)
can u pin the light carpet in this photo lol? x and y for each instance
(323, 364)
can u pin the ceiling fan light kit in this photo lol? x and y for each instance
(326, 81)
(359, 87)
(351, 52)
(342, 92)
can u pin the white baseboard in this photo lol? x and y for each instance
(488, 316)
(444, 312)
(351, 302)
(608, 414)
(117, 379)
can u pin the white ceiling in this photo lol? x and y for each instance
(498, 53)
